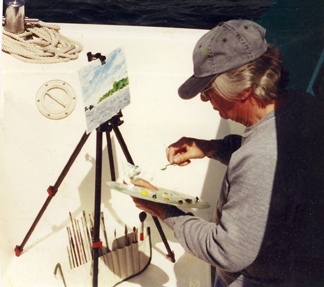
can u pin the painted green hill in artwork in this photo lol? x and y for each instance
(116, 87)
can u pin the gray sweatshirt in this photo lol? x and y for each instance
(264, 202)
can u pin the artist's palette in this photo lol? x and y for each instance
(161, 195)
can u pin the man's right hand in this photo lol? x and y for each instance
(185, 149)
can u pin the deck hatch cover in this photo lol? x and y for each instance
(56, 99)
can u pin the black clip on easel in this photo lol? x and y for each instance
(92, 57)
(107, 127)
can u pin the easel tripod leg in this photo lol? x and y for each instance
(156, 220)
(52, 191)
(20, 248)
(110, 157)
(159, 227)
(123, 144)
(97, 206)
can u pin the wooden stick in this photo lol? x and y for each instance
(84, 253)
(115, 242)
(88, 234)
(104, 230)
(91, 222)
(73, 248)
(126, 236)
(91, 227)
(79, 240)
(135, 231)
(86, 239)
(76, 242)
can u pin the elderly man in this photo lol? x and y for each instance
(269, 229)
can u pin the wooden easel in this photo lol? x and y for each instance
(106, 127)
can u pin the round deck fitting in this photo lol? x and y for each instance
(56, 99)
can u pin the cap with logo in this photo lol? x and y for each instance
(229, 45)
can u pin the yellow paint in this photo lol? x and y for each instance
(144, 192)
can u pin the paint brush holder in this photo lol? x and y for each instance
(125, 261)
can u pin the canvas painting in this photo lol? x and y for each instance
(105, 88)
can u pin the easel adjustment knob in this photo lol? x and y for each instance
(18, 250)
(92, 57)
(97, 244)
(51, 192)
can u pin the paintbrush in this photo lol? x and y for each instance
(104, 230)
(76, 242)
(81, 239)
(91, 227)
(142, 217)
(115, 242)
(85, 218)
(88, 234)
(87, 239)
(70, 243)
(74, 258)
(126, 236)
(135, 234)
(90, 220)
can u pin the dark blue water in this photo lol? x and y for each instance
(203, 14)
(295, 26)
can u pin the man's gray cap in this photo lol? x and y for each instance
(229, 45)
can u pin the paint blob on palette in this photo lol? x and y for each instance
(161, 195)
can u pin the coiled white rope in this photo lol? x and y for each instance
(41, 43)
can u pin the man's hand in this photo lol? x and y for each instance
(153, 208)
(185, 149)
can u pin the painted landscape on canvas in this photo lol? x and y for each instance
(105, 88)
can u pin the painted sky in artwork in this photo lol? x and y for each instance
(97, 79)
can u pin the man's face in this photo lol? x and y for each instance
(227, 110)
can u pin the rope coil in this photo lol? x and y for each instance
(41, 43)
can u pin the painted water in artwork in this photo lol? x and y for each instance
(105, 88)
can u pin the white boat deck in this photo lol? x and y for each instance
(35, 149)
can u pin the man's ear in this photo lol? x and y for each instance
(245, 94)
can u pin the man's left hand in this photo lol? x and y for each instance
(153, 208)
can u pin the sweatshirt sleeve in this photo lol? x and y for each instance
(226, 147)
(234, 243)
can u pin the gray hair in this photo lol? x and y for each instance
(265, 75)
